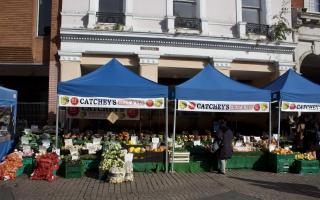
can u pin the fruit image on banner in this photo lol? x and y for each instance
(264, 106)
(149, 103)
(257, 107)
(64, 100)
(191, 105)
(182, 104)
(292, 106)
(74, 100)
(285, 106)
(158, 102)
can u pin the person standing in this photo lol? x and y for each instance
(300, 133)
(226, 149)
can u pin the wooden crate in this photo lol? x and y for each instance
(180, 157)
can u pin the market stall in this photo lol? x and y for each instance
(294, 93)
(212, 91)
(8, 111)
(114, 86)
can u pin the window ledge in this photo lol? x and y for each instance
(187, 31)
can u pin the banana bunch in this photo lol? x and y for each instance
(304, 156)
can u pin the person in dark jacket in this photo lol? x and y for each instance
(226, 149)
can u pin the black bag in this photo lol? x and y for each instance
(216, 145)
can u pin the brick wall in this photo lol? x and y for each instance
(19, 42)
(297, 3)
(54, 60)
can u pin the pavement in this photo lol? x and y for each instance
(235, 185)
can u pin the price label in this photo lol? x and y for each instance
(75, 157)
(155, 140)
(68, 142)
(134, 140)
(128, 157)
(42, 149)
(34, 128)
(27, 131)
(91, 148)
(96, 140)
(26, 148)
(46, 143)
(24, 140)
(197, 143)
(57, 151)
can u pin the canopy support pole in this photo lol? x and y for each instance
(57, 123)
(167, 135)
(279, 121)
(270, 125)
(174, 133)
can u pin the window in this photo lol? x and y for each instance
(111, 6)
(184, 8)
(314, 6)
(44, 17)
(251, 11)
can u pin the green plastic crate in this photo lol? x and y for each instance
(73, 171)
(19, 171)
(306, 166)
(280, 163)
(28, 164)
(90, 165)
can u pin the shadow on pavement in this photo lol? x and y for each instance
(294, 188)
(232, 195)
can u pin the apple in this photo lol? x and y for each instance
(149, 103)
(191, 105)
(292, 106)
(74, 101)
(257, 107)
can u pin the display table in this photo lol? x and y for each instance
(207, 162)
(257, 160)
(148, 166)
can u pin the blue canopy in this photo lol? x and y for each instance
(212, 85)
(295, 88)
(8, 98)
(112, 80)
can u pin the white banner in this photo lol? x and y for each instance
(105, 102)
(222, 106)
(299, 107)
(102, 113)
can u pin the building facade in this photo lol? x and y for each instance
(27, 29)
(169, 41)
(306, 24)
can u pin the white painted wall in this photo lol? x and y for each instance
(74, 15)
(150, 8)
(221, 11)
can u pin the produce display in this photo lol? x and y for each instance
(37, 141)
(304, 156)
(112, 157)
(281, 151)
(46, 164)
(10, 165)
(250, 143)
(113, 163)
